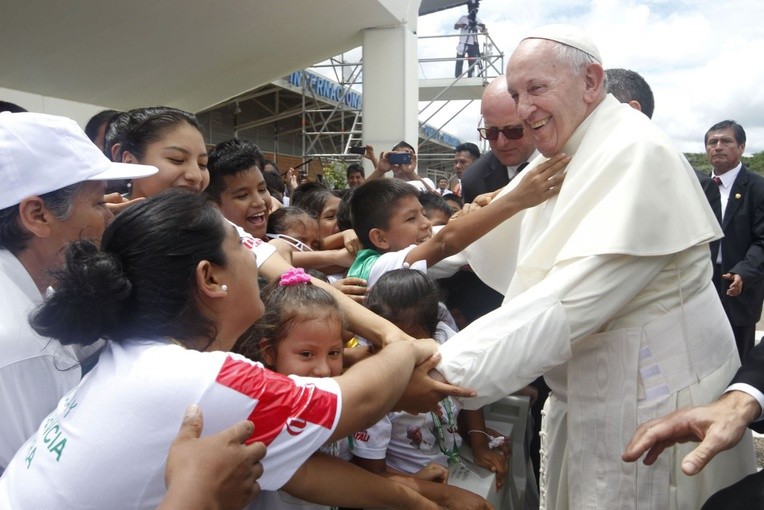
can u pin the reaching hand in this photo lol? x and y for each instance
(217, 471)
(432, 472)
(354, 288)
(116, 203)
(493, 460)
(351, 242)
(427, 387)
(485, 199)
(718, 426)
(542, 182)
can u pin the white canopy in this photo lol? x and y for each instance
(191, 54)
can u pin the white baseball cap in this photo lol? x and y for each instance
(41, 153)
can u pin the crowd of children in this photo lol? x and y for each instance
(373, 245)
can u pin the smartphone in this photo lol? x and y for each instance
(360, 150)
(399, 158)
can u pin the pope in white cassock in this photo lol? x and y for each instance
(608, 292)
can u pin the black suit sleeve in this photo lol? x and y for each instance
(751, 267)
(752, 373)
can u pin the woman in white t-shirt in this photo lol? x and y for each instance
(171, 288)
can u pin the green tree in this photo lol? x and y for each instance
(754, 162)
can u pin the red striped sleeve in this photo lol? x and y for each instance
(280, 401)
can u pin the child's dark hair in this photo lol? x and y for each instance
(283, 220)
(431, 201)
(230, 158)
(373, 204)
(454, 198)
(98, 120)
(343, 210)
(275, 184)
(285, 306)
(406, 297)
(141, 282)
(312, 197)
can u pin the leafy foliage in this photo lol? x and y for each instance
(754, 163)
(334, 175)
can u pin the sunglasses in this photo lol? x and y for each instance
(492, 133)
(298, 245)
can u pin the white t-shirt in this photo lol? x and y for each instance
(105, 445)
(391, 261)
(280, 500)
(262, 249)
(466, 37)
(411, 441)
(35, 372)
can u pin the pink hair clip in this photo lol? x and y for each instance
(294, 276)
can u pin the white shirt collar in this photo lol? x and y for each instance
(729, 177)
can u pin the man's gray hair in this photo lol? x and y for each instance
(60, 203)
(576, 59)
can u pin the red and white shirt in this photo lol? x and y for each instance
(106, 444)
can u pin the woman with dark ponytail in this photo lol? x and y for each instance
(171, 288)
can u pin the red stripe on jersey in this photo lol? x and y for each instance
(280, 401)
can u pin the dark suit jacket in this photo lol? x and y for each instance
(752, 373)
(743, 244)
(484, 175)
(465, 290)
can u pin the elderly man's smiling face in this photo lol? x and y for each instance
(551, 98)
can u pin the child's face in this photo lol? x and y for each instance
(313, 348)
(246, 202)
(408, 225)
(305, 231)
(327, 222)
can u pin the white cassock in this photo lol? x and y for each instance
(608, 294)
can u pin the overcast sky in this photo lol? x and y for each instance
(702, 59)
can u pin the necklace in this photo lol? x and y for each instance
(453, 453)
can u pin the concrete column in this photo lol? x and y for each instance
(390, 87)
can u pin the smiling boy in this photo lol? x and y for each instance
(390, 221)
(238, 187)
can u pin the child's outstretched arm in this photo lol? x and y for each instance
(330, 481)
(447, 496)
(536, 186)
(473, 424)
(371, 388)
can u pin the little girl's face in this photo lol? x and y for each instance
(327, 222)
(313, 348)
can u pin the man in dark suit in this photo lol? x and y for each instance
(511, 147)
(737, 197)
(719, 425)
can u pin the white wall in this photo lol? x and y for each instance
(80, 112)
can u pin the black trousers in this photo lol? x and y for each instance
(472, 51)
(744, 335)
